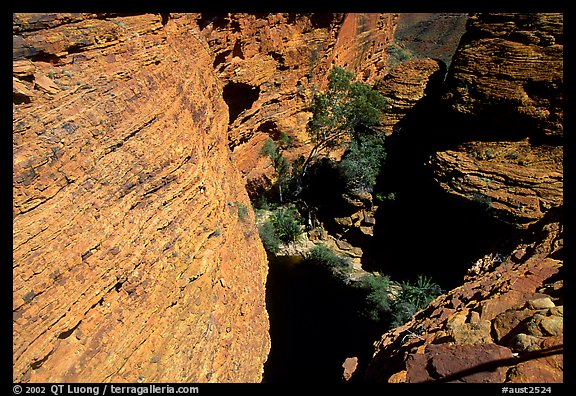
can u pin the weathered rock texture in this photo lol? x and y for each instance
(515, 181)
(505, 91)
(504, 324)
(430, 35)
(135, 253)
(271, 65)
(405, 86)
(508, 69)
(503, 152)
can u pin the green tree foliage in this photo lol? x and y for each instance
(323, 257)
(345, 110)
(273, 151)
(362, 162)
(378, 303)
(412, 298)
(269, 238)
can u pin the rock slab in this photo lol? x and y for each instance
(131, 262)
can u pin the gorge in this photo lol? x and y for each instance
(137, 162)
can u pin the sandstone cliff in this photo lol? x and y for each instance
(501, 151)
(135, 252)
(271, 65)
(406, 86)
(504, 324)
(505, 89)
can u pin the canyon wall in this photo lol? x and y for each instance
(135, 252)
(136, 256)
(500, 150)
(505, 93)
(272, 64)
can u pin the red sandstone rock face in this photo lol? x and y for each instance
(362, 42)
(505, 86)
(515, 181)
(273, 63)
(431, 35)
(509, 70)
(505, 323)
(132, 261)
(501, 325)
(405, 86)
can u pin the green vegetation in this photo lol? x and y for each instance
(344, 116)
(398, 54)
(273, 151)
(484, 200)
(269, 238)
(362, 162)
(513, 155)
(284, 226)
(323, 257)
(346, 110)
(378, 304)
(381, 197)
(287, 224)
(412, 298)
(395, 303)
(419, 293)
(242, 210)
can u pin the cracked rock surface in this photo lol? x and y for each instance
(130, 260)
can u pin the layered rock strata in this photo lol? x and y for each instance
(271, 65)
(504, 324)
(505, 90)
(508, 69)
(135, 252)
(503, 152)
(407, 85)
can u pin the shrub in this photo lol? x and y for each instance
(242, 210)
(484, 200)
(286, 224)
(322, 255)
(362, 162)
(401, 313)
(262, 202)
(381, 197)
(420, 293)
(398, 54)
(412, 298)
(378, 303)
(268, 237)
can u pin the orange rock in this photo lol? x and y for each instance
(509, 70)
(399, 377)
(278, 61)
(405, 85)
(349, 367)
(503, 316)
(505, 91)
(122, 229)
(46, 84)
